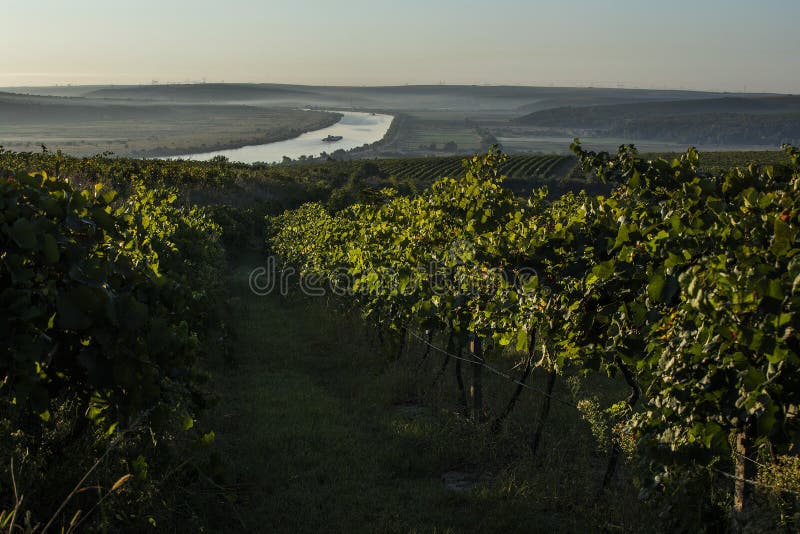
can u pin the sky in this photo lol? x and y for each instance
(731, 45)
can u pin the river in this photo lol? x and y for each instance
(355, 128)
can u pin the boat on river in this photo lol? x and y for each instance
(332, 138)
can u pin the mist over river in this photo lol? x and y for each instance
(355, 128)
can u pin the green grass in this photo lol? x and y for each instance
(320, 431)
(308, 438)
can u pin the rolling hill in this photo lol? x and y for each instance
(731, 121)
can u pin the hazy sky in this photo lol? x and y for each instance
(697, 44)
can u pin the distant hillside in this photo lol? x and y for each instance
(599, 116)
(586, 97)
(768, 120)
(16, 109)
(399, 97)
(205, 92)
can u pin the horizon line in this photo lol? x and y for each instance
(552, 85)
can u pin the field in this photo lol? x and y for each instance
(146, 350)
(432, 168)
(433, 135)
(86, 128)
(660, 283)
(159, 120)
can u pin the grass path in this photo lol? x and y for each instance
(309, 429)
(319, 432)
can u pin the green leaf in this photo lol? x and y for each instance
(768, 418)
(775, 290)
(715, 438)
(778, 355)
(70, 314)
(673, 260)
(23, 232)
(782, 238)
(135, 313)
(662, 288)
(522, 340)
(187, 422)
(208, 438)
(656, 286)
(109, 196)
(50, 249)
(604, 270)
(623, 235)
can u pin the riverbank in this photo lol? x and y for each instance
(353, 130)
(283, 134)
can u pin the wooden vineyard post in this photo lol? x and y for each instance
(476, 388)
(744, 470)
(545, 411)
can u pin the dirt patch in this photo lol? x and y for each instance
(460, 481)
